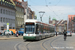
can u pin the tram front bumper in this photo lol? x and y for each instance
(29, 37)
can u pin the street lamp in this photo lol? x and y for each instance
(42, 14)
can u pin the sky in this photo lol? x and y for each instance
(58, 9)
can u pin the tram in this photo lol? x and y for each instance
(36, 30)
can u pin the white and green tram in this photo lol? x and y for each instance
(35, 30)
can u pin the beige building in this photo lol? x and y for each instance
(19, 14)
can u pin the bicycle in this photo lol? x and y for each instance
(64, 38)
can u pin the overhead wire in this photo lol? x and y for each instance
(37, 10)
(51, 9)
(46, 6)
(58, 2)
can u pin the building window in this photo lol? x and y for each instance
(6, 20)
(1, 3)
(1, 19)
(1, 10)
(6, 11)
(14, 20)
(18, 3)
(9, 12)
(15, 2)
(2, 28)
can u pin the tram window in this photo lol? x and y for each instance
(36, 25)
(37, 29)
(29, 23)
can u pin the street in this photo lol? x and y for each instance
(52, 43)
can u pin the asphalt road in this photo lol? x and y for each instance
(52, 43)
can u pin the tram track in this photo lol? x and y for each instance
(50, 43)
(26, 44)
(43, 45)
(16, 47)
(53, 41)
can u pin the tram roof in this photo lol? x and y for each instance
(36, 21)
(31, 20)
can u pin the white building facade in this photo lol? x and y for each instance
(7, 15)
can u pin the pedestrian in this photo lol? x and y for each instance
(16, 33)
(56, 33)
(65, 34)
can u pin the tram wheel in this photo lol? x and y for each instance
(24, 40)
(40, 38)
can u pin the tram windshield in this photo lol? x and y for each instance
(29, 28)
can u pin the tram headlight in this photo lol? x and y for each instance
(34, 35)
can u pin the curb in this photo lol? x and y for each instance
(11, 38)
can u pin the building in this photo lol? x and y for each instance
(61, 26)
(29, 14)
(71, 23)
(53, 21)
(19, 14)
(7, 14)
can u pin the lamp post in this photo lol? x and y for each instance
(42, 14)
(74, 23)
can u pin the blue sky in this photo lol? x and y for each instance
(59, 9)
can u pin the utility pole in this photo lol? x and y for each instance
(41, 19)
(41, 15)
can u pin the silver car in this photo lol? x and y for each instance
(69, 33)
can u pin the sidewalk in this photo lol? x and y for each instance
(10, 37)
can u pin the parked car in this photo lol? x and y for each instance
(60, 33)
(21, 31)
(69, 33)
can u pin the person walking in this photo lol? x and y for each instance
(56, 33)
(65, 35)
(16, 33)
